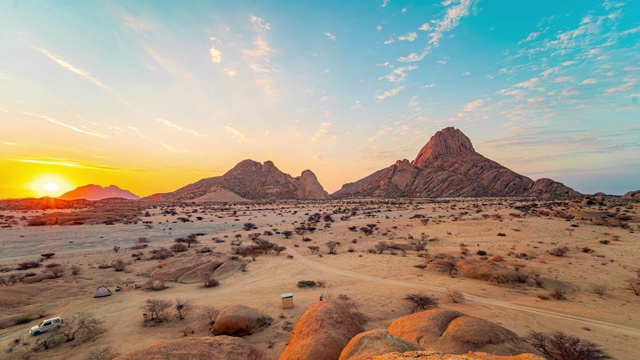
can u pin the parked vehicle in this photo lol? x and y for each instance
(47, 325)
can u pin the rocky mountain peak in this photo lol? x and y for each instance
(445, 143)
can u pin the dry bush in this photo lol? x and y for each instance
(82, 326)
(160, 254)
(421, 301)
(333, 246)
(211, 282)
(183, 307)
(75, 270)
(559, 251)
(560, 346)
(179, 247)
(210, 313)
(119, 265)
(558, 294)
(599, 289)
(455, 296)
(56, 271)
(157, 309)
(314, 249)
(26, 265)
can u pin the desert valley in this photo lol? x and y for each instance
(448, 256)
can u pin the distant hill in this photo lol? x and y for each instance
(250, 180)
(449, 166)
(97, 192)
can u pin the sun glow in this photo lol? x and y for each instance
(49, 185)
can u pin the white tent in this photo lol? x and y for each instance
(102, 292)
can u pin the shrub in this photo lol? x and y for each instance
(160, 254)
(204, 249)
(481, 252)
(179, 247)
(559, 251)
(455, 296)
(421, 301)
(605, 242)
(156, 309)
(48, 255)
(599, 289)
(306, 284)
(183, 307)
(560, 346)
(502, 234)
(119, 265)
(333, 246)
(28, 265)
(211, 282)
(75, 270)
(558, 294)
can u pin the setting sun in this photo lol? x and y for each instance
(49, 185)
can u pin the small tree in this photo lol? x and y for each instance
(210, 313)
(178, 248)
(183, 307)
(366, 230)
(381, 246)
(279, 249)
(56, 271)
(249, 226)
(116, 248)
(287, 234)
(560, 346)
(81, 325)
(192, 239)
(48, 256)
(119, 265)
(157, 309)
(314, 249)
(333, 246)
(421, 301)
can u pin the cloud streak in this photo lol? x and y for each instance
(74, 69)
(389, 93)
(175, 126)
(323, 130)
(68, 126)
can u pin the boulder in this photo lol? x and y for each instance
(191, 269)
(436, 355)
(487, 271)
(322, 332)
(197, 348)
(375, 342)
(239, 320)
(453, 332)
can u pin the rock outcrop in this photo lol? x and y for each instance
(322, 332)
(435, 355)
(190, 269)
(97, 192)
(239, 320)
(632, 195)
(453, 332)
(197, 348)
(449, 166)
(250, 180)
(375, 342)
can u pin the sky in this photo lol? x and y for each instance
(154, 95)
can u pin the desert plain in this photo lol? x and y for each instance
(587, 249)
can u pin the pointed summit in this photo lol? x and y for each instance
(97, 192)
(447, 142)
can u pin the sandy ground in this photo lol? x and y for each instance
(376, 282)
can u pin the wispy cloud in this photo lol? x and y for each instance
(230, 72)
(451, 19)
(175, 149)
(173, 125)
(357, 106)
(67, 65)
(379, 133)
(260, 22)
(169, 64)
(473, 105)
(216, 55)
(389, 93)
(330, 36)
(237, 134)
(408, 37)
(323, 130)
(384, 3)
(68, 126)
(399, 74)
(11, 143)
(68, 163)
(413, 57)
(135, 23)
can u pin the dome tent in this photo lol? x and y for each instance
(102, 292)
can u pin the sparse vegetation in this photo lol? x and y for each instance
(156, 309)
(560, 346)
(421, 301)
(307, 284)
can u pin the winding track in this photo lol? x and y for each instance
(627, 330)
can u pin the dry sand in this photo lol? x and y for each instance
(376, 282)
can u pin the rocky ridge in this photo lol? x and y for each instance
(449, 166)
(97, 192)
(250, 180)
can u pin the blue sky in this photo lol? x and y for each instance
(130, 92)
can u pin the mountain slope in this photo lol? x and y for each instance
(449, 166)
(250, 180)
(97, 192)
